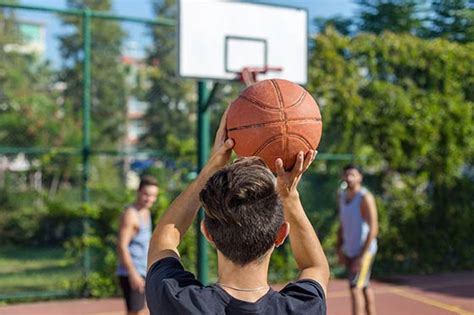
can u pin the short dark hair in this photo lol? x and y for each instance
(147, 181)
(243, 211)
(351, 167)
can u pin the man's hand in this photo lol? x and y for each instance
(341, 258)
(355, 264)
(179, 216)
(287, 182)
(136, 282)
(309, 254)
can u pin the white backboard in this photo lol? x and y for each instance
(217, 39)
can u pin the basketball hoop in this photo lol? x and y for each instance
(248, 75)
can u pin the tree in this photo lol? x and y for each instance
(108, 87)
(403, 105)
(30, 113)
(172, 112)
(397, 16)
(340, 23)
(453, 19)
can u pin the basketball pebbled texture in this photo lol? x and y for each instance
(274, 119)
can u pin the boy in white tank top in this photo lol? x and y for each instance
(357, 238)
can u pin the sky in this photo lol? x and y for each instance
(142, 8)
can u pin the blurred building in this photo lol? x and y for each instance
(135, 67)
(134, 63)
(33, 39)
(136, 126)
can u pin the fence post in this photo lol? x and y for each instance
(86, 117)
(203, 154)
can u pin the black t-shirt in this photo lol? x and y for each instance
(172, 290)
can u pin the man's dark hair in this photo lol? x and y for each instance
(243, 211)
(351, 167)
(147, 181)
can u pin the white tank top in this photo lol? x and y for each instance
(354, 228)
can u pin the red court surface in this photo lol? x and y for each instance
(451, 293)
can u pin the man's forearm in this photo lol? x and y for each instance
(184, 208)
(126, 259)
(339, 237)
(304, 242)
(179, 216)
(182, 211)
(370, 237)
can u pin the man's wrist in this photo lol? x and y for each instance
(290, 198)
(202, 178)
(133, 273)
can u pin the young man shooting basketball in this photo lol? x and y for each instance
(247, 216)
(357, 239)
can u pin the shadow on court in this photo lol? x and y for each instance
(454, 284)
(449, 293)
(443, 294)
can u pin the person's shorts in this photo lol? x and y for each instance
(134, 299)
(360, 279)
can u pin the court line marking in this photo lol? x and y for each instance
(401, 292)
(429, 301)
(345, 293)
(447, 284)
(410, 295)
(388, 288)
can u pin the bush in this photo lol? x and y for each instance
(403, 106)
(41, 221)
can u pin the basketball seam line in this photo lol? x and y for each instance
(284, 119)
(268, 108)
(262, 147)
(270, 123)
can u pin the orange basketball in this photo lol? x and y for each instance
(274, 119)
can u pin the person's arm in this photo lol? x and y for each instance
(128, 226)
(340, 254)
(339, 237)
(305, 245)
(369, 213)
(176, 220)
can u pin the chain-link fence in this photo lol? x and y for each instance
(73, 90)
(85, 99)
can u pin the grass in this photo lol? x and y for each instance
(30, 270)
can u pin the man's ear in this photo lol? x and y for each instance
(282, 234)
(206, 234)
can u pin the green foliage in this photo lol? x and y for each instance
(108, 79)
(342, 24)
(101, 221)
(27, 97)
(45, 221)
(172, 110)
(453, 20)
(397, 16)
(403, 105)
